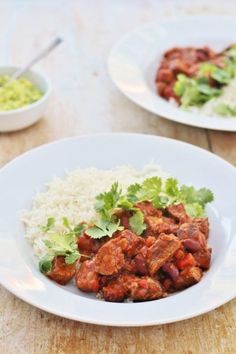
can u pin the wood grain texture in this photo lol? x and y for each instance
(84, 100)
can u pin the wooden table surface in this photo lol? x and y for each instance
(85, 100)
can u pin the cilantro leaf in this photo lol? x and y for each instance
(45, 264)
(189, 195)
(171, 187)
(195, 210)
(226, 110)
(151, 188)
(66, 223)
(72, 257)
(79, 229)
(204, 196)
(106, 202)
(132, 192)
(95, 232)
(49, 225)
(194, 91)
(62, 245)
(103, 228)
(137, 222)
(124, 203)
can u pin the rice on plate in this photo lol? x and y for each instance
(74, 198)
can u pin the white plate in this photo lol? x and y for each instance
(23, 177)
(133, 63)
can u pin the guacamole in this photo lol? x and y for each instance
(18, 93)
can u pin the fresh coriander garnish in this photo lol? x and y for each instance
(49, 225)
(161, 193)
(137, 222)
(104, 228)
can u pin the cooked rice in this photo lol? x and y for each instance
(74, 197)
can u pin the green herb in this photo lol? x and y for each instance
(161, 193)
(66, 223)
(49, 225)
(189, 195)
(77, 230)
(225, 110)
(164, 194)
(62, 244)
(221, 75)
(45, 264)
(137, 222)
(198, 90)
(106, 202)
(132, 191)
(171, 187)
(103, 228)
(194, 91)
(195, 210)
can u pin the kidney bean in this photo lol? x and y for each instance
(191, 245)
(171, 270)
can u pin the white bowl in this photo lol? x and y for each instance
(25, 116)
(22, 178)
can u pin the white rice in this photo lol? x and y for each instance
(74, 197)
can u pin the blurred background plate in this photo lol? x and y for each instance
(134, 60)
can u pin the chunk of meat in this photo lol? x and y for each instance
(162, 251)
(178, 212)
(203, 258)
(104, 280)
(148, 209)
(129, 242)
(157, 225)
(150, 240)
(109, 259)
(188, 277)
(86, 278)
(191, 231)
(61, 272)
(87, 245)
(115, 291)
(129, 266)
(142, 288)
(165, 75)
(203, 225)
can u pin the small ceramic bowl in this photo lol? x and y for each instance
(25, 116)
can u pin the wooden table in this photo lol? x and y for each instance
(85, 101)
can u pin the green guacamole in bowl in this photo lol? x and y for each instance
(18, 93)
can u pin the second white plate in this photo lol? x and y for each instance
(134, 61)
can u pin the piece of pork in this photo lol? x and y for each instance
(86, 277)
(162, 251)
(61, 272)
